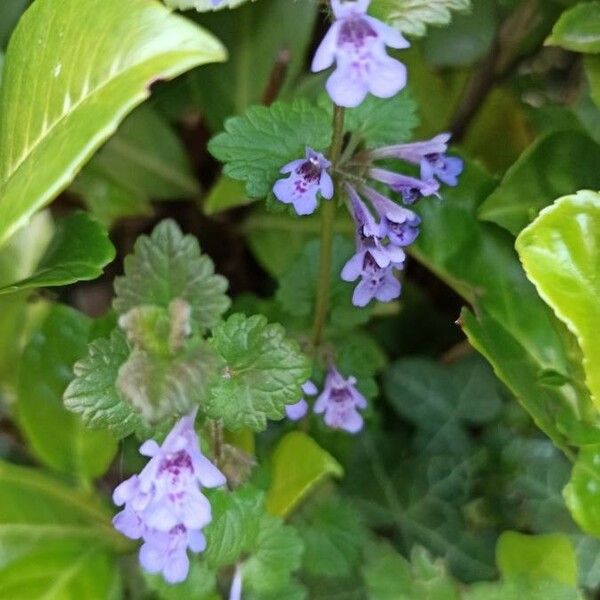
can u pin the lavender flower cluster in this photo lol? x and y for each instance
(164, 505)
(357, 42)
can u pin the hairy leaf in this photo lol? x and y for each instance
(166, 266)
(255, 147)
(264, 372)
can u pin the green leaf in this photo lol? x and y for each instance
(159, 387)
(278, 552)
(441, 401)
(200, 584)
(380, 121)
(71, 101)
(93, 393)
(537, 557)
(264, 372)
(297, 291)
(202, 5)
(515, 330)
(333, 537)
(56, 542)
(592, 69)
(166, 266)
(312, 464)
(234, 526)
(519, 588)
(569, 229)
(79, 251)
(255, 147)
(145, 158)
(413, 16)
(554, 165)
(578, 29)
(267, 42)
(582, 491)
(58, 437)
(225, 194)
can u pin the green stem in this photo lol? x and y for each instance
(327, 223)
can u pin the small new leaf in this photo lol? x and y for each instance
(159, 387)
(168, 265)
(413, 16)
(255, 147)
(264, 372)
(93, 394)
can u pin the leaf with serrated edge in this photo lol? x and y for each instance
(166, 266)
(312, 464)
(264, 372)
(413, 16)
(93, 393)
(58, 106)
(255, 147)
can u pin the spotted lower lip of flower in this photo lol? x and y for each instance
(340, 401)
(164, 504)
(376, 283)
(307, 177)
(399, 224)
(411, 188)
(357, 43)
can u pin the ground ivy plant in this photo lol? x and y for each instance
(299, 300)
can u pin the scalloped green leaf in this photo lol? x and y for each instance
(59, 105)
(78, 251)
(168, 266)
(413, 16)
(255, 147)
(560, 252)
(264, 371)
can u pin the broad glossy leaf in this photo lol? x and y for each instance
(56, 542)
(560, 252)
(146, 157)
(537, 557)
(552, 166)
(168, 266)
(79, 251)
(264, 371)
(59, 438)
(583, 490)
(519, 334)
(312, 464)
(578, 29)
(100, 57)
(413, 16)
(267, 42)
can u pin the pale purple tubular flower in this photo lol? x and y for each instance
(357, 43)
(308, 176)
(340, 401)
(235, 592)
(164, 506)
(411, 188)
(376, 283)
(400, 225)
(297, 411)
(430, 155)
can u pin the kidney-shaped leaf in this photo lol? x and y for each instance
(560, 252)
(73, 71)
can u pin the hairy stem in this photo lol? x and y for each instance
(327, 223)
(216, 433)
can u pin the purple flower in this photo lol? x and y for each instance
(164, 504)
(411, 188)
(430, 155)
(235, 592)
(400, 225)
(307, 177)
(339, 401)
(297, 411)
(376, 282)
(357, 43)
